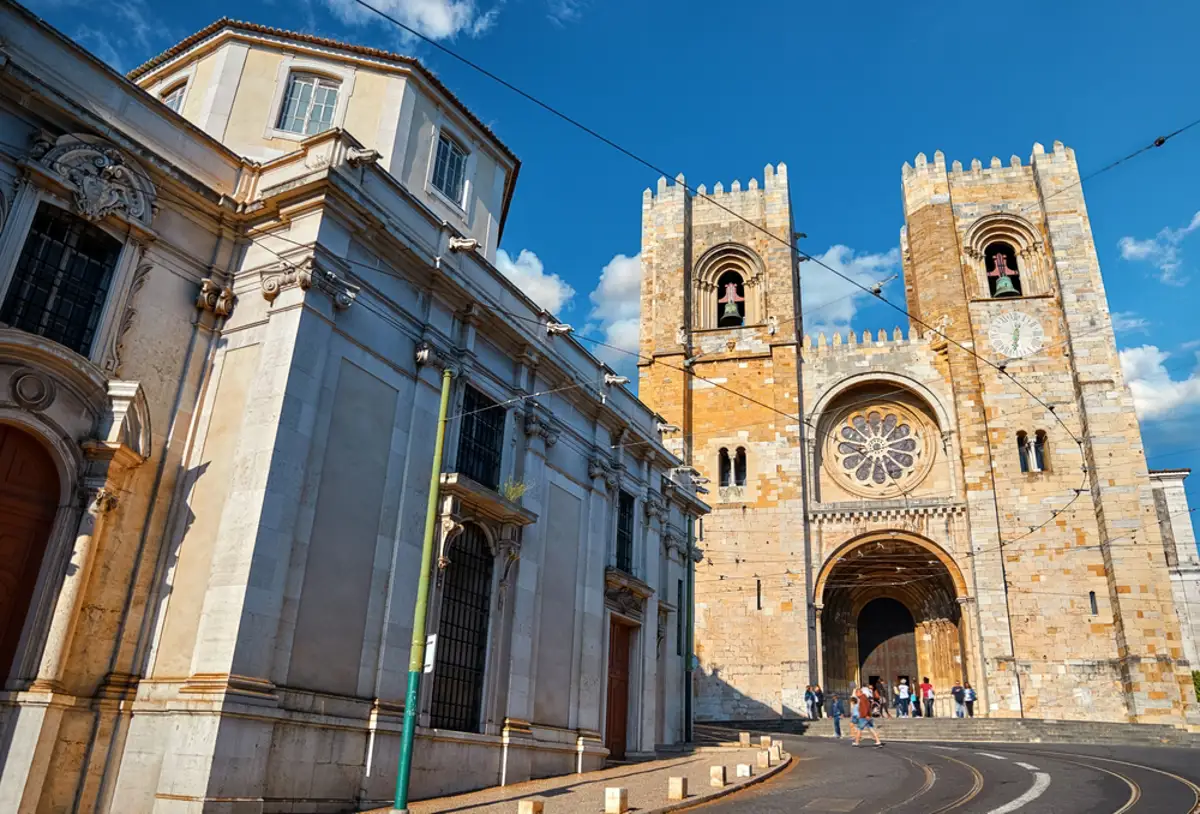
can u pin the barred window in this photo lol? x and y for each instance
(308, 105)
(481, 442)
(461, 650)
(450, 169)
(625, 533)
(62, 279)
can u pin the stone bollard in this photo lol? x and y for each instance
(776, 753)
(677, 788)
(743, 739)
(616, 801)
(765, 741)
(745, 770)
(764, 759)
(530, 807)
(716, 777)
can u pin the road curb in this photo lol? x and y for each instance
(725, 792)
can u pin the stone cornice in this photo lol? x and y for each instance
(872, 510)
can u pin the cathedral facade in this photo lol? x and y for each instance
(966, 498)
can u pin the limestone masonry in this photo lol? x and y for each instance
(967, 499)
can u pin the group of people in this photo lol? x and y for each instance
(871, 701)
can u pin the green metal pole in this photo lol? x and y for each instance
(416, 661)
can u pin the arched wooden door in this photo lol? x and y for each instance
(28, 498)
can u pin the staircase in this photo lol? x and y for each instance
(996, 730)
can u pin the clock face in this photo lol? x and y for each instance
(1015, 334)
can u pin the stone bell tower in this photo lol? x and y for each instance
(1073, 597)
(719, 355)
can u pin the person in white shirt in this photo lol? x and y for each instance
(904, 692)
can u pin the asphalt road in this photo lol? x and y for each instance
(925, 778)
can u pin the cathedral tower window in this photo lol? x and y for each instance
(1004, 279)
(1023, 450)
(1092, 601)
(739, 467)
(1039, 451)
(731, 300)
(724, 468)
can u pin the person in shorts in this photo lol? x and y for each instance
(860, 714)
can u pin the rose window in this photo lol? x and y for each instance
(876, 448)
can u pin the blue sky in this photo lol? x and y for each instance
(843, 93)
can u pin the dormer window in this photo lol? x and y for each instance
(309, 104)
(173, 97)
(1004, 279)
(450, 169)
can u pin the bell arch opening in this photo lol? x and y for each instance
(29, 488)
(889, 609)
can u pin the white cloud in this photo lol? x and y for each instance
(548, 290)
(1130, 322)
(562, 12)
(436, 19)
(617, 310)
(1155, 394)
(1163, 250)
(830, 302)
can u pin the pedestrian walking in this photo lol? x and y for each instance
(860, 715)
(836, 710)
(969, 699)
(904, 692)
(896, 700)
(810, 702)
(959, 694)
(881, 699)
(819, 698)
(927, 696)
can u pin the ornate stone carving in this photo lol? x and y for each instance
(31, 390)
(664, 614)
(104, 181)
(656, 507)
(463, 244)
(598, 467)
(361, 156)
(623, 601)
(306, 275)
(673, 543)
(428, 355)
(215, 298)
(681, 337)
(537, 425)
(697, 556)
(112, 360)
(101, 501)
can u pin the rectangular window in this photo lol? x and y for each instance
(450, 169)
(174, 97)
(679, 611)
(62, 279)
(481, 442)
(758, 590)
(308, 104)
(625, 533)
(460, 654)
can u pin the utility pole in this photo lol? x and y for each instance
(416, 660)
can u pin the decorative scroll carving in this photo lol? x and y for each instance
(309, 273)
(656, 507)
(112, 360)
(673, 543)
(696, 555)
(101, 501)
(598, 467)
(537, 425)
(361, 156)
(623, 601)
(664, 614)
(104, 181)
(215, 298)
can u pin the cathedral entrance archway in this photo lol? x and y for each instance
(889, 609)
(29, 490)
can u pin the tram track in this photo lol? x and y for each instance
(1135, 787)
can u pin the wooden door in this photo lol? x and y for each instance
(618, 690)
(28, 497)
(887, 645)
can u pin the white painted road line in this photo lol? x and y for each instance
(1041, 782)
(947, 748)
(1028, 766)
(989, 754)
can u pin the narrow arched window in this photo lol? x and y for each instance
(1004, 278)
(724, 468)
(1092, 602)
(739, 467)
(1023, 450)
(731, 300)
(1039, 451)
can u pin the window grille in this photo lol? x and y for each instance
(625, 533)
(450, 169)
(308, 105)
(174, 97)
(481, 442)
(461, 654)
(62, 279)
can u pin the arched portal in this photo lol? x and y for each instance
(889, 609)
(29, 490)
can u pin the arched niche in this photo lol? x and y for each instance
(719, 265)
(1016, 233)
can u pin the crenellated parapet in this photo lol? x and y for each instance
(854, 341)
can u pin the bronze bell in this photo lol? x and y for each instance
(731, 310)
(1005, 287)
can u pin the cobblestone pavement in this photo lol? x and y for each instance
(584, 794)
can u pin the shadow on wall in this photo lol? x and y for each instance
(716, 700)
